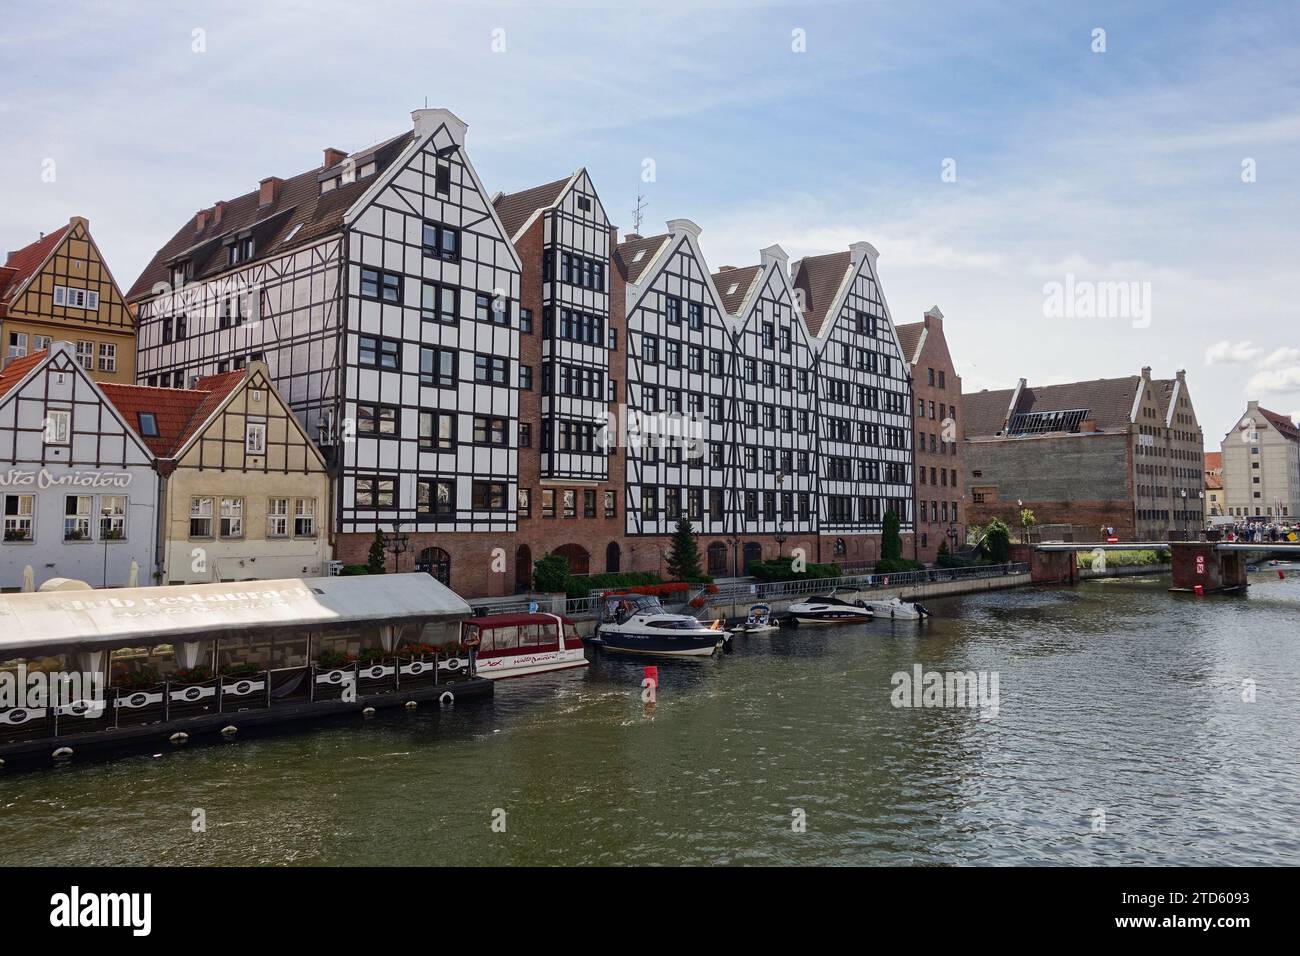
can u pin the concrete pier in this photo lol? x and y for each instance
(1202, 563)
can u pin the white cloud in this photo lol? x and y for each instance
(1282, 358)
(1232, 353)
(1271, 381)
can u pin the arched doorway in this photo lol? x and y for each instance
(579, 559)
(613, 557)
(523, 569)
(436, 562)
(753, 551)
(717, 560)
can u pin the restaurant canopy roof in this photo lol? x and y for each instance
(60, 622)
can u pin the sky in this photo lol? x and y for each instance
(1079, 204)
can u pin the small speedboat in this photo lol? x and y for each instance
(759, 621)
(638, 624)
(829, 610)
(898, 610)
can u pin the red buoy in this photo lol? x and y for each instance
(652, 675)
(1281, 575)
(1200, 590)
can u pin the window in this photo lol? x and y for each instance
(437, 367)
(19, 513)
(438, 302)
(526, 320)
(277, 518)
(611, 508)
(673, 310)
(58, 426)
(526, 377)
(548, 502)
(200, 517)
(376, 420)
(76, 517)
(148, 424)
(232, 517)
(491, 369)
(76, 298)
(437, 431)
(304, 517)
(255, 438)
(17, 344)
(650, 349)
(649, 504)
(489, 496)
(376, 492)
(442, 179)
(492, 308)
(375, 352)
(441, 242)
(524, 430)
(435, 496)
(383, 286)
(524, 502)
(490, 431)
(695, 313)
(589, 504)
(112, 517)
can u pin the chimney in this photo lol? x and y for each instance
(218, 209)
(933, 315)
(774, 253)
(269, 190)
(632, 237)
(726, 268)
(1146, 373)
(864, 250)
(200, 220)
(333, 157)
(428, 121)
(1181, 375)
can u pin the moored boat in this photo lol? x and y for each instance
(897, 609)
(828, 610)
(760, 619)
(512, 645)
(638, 624)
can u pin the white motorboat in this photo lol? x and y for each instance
(897, 609)
(829, 610)
(638, 624)
(760, 620)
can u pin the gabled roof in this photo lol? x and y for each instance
(909, 337)
(178, 412)
(1108, 401)
(734, 285)
(1213, 480)
(633, 257)
(22, 264)
(17, 370)
(820, 278)
(515, 209)
(1214, 461)
(300, 214)
(1284, 425)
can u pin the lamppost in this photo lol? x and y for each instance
(396, 543)
(779, 537)
(734, 541)
(1183, 493)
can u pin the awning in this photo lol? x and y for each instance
(61, 622)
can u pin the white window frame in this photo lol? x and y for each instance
(112, 517)
(76, 298)
(304, 517)
(86, 354)
(19, 350)
(201, 510)
(232, 518)
(254, 438)
(23, 519)
(107, 357)
(58, 426)
(277, 518)
(78, 521)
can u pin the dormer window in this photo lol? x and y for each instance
(182, 272)
(239, 251)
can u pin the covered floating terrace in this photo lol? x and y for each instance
(147, 663)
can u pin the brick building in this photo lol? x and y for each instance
(1121, 453)
(940, 452)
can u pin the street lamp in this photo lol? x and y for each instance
(396, 543)
(779, 537)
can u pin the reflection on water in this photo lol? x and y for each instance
(1115, 696)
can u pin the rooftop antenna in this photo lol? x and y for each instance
(638, 212)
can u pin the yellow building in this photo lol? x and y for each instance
(245, 492)
(59, 289)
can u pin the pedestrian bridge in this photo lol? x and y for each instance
(1199, 566)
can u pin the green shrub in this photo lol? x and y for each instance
(891, 542)
(997, 541)
(551, 574)
(609, 581)
(782, 569)
(355, 569)
(955, 561)
(897, 565)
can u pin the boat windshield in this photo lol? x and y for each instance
(619, 607)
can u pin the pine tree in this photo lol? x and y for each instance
(377, 560)
(684, 553)
(891, 542)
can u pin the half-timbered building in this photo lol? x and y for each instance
(864, 422)
(78, 491)
(382, 292)
(59, 287)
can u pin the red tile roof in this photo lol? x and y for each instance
(734, 284)
(1284, 425)
(820, 278)
(14, 372)
(28, 259)
(178, 412)
(515, 208)
(1213, 481)
(1214, 461)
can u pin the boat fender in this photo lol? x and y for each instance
(368, 712)
(179, 738)
(63, 752)
(229, 730)
(411, 705)
(447, 698)
(2, 763)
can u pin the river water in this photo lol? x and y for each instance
(1120, 736)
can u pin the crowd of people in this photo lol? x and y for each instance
(1253, 532)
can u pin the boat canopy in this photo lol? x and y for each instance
(62, 622)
